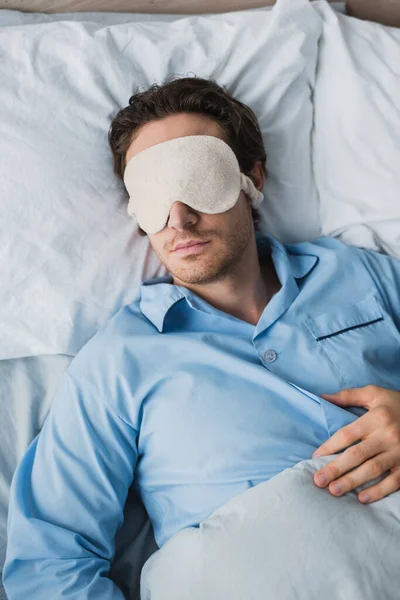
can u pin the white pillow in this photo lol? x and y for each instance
(15, 17)
(70, 255)
(356, 138)
(283, 539)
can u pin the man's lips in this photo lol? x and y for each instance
(191, 247)
(188, 243)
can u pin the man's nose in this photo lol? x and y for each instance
(181, 215)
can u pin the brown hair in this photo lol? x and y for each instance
(196, 95)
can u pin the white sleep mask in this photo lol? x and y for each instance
(201, 171)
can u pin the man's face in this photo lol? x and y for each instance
(222, 237)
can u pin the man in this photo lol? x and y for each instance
(211, 381)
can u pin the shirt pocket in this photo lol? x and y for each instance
(361, 341)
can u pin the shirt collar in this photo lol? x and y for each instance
(158, 295)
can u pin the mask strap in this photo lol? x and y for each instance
(250, 189)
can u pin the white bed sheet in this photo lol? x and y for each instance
(284, 539)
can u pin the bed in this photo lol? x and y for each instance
(65, 62)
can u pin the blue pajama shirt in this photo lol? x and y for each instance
(193, 406)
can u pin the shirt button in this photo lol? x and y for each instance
(270, 355)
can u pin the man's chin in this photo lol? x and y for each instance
(195, 276)
(182, 278)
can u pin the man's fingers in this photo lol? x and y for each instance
(350, 459)
(364, 396)
(387, 486)
(367, 471)
(344, 437)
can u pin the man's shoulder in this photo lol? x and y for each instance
(321, 246)
(336, 260)
(123, 333)
(128, 321)
(361, 271)
(329, 247)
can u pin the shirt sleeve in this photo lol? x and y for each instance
(385, 272)
(67, 499)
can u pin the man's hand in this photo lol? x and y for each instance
(377, 452)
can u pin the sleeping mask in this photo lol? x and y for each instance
(201, 171)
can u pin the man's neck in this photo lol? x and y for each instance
(245, 292)
(249, 299)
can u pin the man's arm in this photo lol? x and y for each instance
(67, 500)
(378, 430)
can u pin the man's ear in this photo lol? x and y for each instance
(257, 176)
